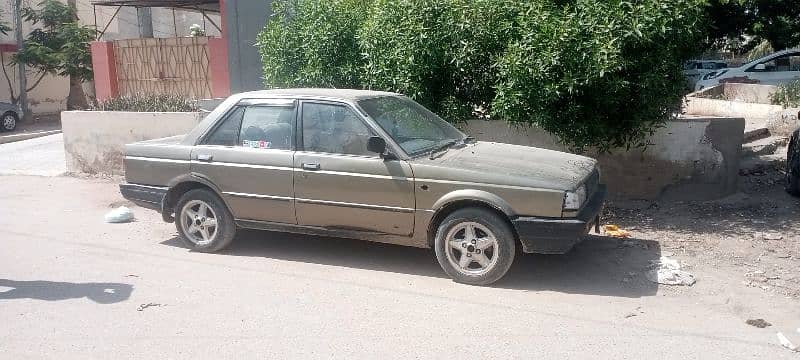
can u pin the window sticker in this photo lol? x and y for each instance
(257, 144)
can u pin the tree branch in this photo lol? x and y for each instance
(8, 79)
(43, 73)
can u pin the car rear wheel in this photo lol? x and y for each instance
(793, 165)
(475, 246)
(203, 221)
(9, 121)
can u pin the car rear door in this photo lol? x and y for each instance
(339, 184)
(249, 156)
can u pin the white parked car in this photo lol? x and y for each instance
(777, 68)
(696, 69)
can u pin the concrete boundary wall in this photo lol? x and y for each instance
(94, 140)
(749, 101)
(692, 158)
(689, 159)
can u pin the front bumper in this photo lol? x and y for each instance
(559, 235)
(146, 196)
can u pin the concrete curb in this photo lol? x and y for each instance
(26, 136)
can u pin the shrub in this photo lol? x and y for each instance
(595, 73)
(312, 43)
(439, 52)
(787, 95)
(148, 103)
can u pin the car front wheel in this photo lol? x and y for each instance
(475, 246)
(203, 221)
(9, 121)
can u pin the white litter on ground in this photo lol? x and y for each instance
(119, 215)
(667, 271)
(786, 343)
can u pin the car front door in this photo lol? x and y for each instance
(249, 156)
(341, 185)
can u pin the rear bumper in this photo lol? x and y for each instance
(559, 235)
(146, 196)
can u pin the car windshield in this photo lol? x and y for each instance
(416, 129)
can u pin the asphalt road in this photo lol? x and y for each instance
(42, 156)
(72, 286)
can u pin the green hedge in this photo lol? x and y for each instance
(787, 95)
(600, 73)
(148, 103)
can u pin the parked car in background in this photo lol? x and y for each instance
(696, 69)
(793, 164)
(10, 116)
(777, 68)
(367, 165)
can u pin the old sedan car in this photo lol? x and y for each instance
(366, 165)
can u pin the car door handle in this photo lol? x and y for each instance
(204, 157)
(310, 166)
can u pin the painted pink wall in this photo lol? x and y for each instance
(105, 70)
(218, 59)
(218, 67)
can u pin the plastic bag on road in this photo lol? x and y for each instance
(119, 215)
(671, 277)
(667, 271)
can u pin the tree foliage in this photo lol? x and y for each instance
(596, 73)
(59, 44)
(776, 21)
(313, 43)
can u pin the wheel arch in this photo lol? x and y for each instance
(461, 199)
(182, 185)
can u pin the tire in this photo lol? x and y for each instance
(8, 122)
(452, 244)
(213, 228)
(793, 165)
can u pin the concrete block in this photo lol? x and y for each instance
(690, 158)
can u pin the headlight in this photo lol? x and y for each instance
(574, 199)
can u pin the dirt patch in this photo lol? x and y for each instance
(750, 239)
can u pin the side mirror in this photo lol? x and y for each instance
(376, 144)
(760, 67)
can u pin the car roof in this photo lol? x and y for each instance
(342, 94)
(772, 55)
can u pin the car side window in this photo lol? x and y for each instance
(334, 129)
(267, 127)
(227, 133)
(788, 62)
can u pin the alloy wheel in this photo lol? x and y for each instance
(199, 222)
(9, 122)
(472, 249)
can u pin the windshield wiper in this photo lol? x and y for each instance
(442, 148)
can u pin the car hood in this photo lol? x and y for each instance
(506, 164)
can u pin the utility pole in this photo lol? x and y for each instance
(23, 79)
